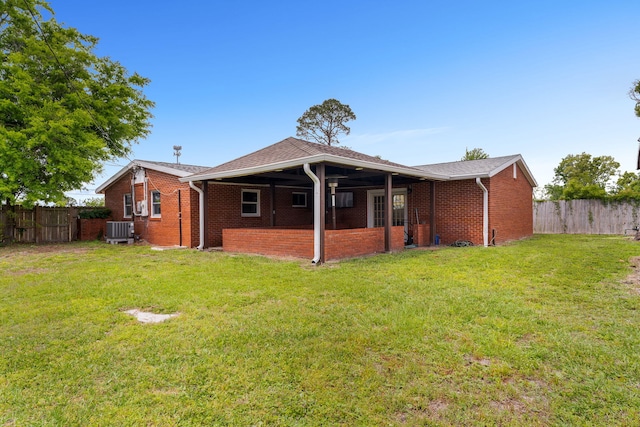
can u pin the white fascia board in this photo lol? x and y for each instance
(235, 173)
(516, 159)
(468, 176)
(505, 165)
(163, 169)
(114, 178)
(319, 158)
(528, 173)
(144, 164)
(520, 161)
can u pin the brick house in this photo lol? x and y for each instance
(302, 199)
(150, 195)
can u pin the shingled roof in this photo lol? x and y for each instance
(176, 167)
(483, 168)
(294, 152)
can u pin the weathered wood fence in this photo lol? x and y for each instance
(39, 225)
(585, 217)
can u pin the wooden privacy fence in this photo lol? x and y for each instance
(39, 225)
(585, 217)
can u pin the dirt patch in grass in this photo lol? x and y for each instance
(633, 279)
(18, 250)
(434, 411)
(22, 272)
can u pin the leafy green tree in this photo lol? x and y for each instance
(474, 154)
(634, 93)
(64, 111)
(627, 187)
(323, 123)
(581, 176)
(93, 202)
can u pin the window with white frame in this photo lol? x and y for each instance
(250, 203)
(128, 205)
(299, 200)
(155, 204)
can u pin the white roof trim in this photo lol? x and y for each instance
(520, 161)
(144, 164)
(515, 159)
(318, 158)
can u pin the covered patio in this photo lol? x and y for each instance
(301, 199)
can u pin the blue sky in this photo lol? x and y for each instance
(426, 79)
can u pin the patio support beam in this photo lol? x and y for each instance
(205, 220)
(388, 211)
(432, 213)
(273, 203)
(200, 214)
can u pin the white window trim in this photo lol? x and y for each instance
(301, 194)
(124, 205)
(155, 215)
(257, 203)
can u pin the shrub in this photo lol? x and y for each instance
(101, 213)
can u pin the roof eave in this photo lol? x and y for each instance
(101, 188)
(318, 158)
(142, 163)
(159, 168)
(468, 176)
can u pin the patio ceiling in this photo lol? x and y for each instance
(348, 177)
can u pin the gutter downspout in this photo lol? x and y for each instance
(201, 199)
(485, 212)
(316, 213)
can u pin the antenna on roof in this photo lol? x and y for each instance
(176, 152)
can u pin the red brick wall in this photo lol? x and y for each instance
(224, 204)
(339, 244)
(194, 216)
(164, 230)
(459, 208)
(459, 211)
(286, 214)
(91, 228)
(355, 217)
(269, 241)
(113, 197)
(421, 235)
(510, 206)
(419, 198)
(224, 210)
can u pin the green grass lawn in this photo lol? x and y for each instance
(538, 332)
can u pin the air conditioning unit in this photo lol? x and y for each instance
(119, 232)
